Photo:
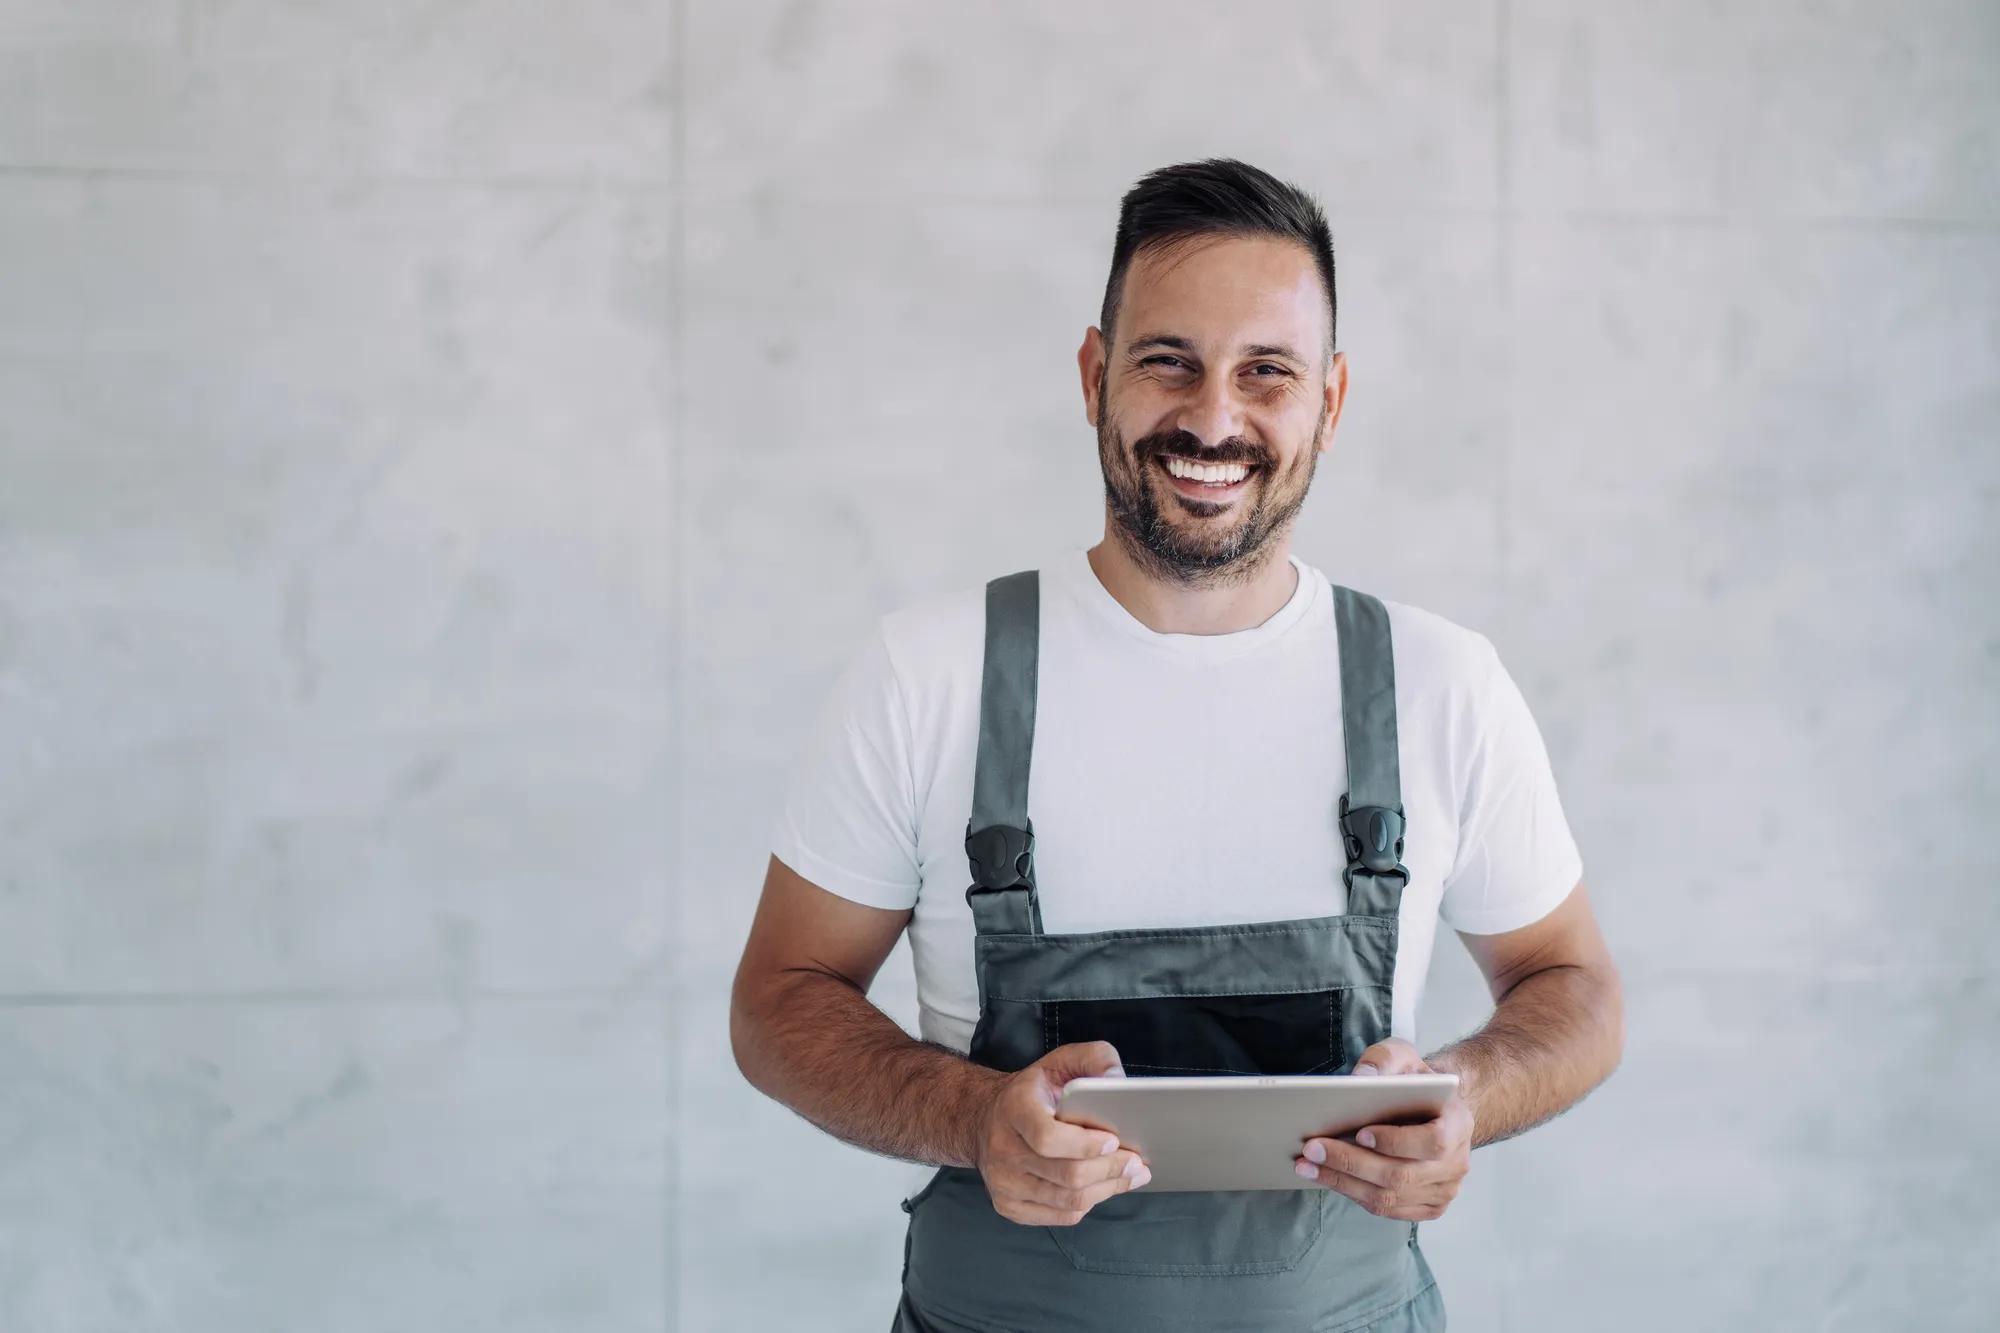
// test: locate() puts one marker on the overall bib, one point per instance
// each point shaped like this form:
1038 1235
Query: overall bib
1277 997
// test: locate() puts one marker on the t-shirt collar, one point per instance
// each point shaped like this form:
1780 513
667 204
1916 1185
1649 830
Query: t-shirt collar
1080 580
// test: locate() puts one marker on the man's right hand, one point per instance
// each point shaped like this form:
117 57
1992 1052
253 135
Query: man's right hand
1042 1171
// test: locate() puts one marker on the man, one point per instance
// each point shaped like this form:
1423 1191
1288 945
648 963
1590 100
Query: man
1253 795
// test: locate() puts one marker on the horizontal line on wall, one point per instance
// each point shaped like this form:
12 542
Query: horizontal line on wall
764 197
229 176
1839 974
323 995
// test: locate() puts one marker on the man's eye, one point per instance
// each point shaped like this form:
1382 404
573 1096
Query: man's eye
1154 360
1268 366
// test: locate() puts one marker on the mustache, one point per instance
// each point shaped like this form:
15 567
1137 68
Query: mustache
1185 444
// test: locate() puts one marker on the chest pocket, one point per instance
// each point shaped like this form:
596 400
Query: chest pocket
1292 1033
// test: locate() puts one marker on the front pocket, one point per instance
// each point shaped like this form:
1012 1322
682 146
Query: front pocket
1181 1234
1296 1033
915 1201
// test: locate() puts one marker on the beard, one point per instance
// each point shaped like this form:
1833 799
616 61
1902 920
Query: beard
1191 541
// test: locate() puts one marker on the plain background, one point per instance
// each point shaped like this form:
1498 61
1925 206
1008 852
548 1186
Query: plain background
447 449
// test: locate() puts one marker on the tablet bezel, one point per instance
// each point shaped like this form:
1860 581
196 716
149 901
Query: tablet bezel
1173 1121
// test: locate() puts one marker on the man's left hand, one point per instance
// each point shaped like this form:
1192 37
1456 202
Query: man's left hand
1408 1172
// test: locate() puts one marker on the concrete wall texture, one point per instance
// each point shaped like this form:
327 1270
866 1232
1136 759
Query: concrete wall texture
446 451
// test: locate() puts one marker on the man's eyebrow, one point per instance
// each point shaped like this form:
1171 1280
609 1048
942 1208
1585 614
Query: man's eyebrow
1151 340
1273 349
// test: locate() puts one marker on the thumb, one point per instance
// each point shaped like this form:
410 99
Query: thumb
1081 1059
1394 1056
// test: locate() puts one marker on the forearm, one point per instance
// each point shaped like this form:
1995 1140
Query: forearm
1552 1038
814 1042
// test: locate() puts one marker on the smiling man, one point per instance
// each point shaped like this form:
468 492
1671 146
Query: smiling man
1175 803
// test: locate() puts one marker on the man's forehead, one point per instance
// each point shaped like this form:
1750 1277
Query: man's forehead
1246 292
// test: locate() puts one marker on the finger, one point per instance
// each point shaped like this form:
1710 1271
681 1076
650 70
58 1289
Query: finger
1018 1187
1047 1136
1449 1134
1080 1172
1430 1139
1403 1206
1036 1214
1393 1056
1061 1177
1388 1172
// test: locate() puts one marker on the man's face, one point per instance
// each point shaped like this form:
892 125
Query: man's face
1217 361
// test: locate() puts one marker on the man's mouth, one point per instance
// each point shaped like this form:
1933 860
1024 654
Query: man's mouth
1205 481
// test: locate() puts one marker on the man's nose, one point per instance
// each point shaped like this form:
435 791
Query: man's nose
1212 415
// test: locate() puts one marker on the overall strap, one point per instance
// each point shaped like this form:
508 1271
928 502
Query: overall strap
999 839
1371 811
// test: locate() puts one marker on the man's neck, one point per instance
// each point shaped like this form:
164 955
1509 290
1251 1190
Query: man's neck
1244 599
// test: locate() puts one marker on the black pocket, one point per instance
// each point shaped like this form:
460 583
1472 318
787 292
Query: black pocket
1208 1034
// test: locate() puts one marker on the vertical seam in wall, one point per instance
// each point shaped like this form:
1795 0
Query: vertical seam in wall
1503 185
1503 189
678 628
1505 263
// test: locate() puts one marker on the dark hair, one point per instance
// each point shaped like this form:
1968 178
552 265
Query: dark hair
1217 196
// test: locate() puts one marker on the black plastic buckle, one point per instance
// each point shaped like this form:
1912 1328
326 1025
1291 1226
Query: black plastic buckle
1374 837
1002 856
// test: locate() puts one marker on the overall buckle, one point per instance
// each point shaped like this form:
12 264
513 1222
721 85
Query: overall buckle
1002 856
1374 837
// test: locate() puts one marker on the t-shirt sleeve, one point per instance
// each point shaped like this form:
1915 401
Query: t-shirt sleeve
1517 859
848 818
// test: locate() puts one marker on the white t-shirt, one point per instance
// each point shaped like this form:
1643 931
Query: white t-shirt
1176 779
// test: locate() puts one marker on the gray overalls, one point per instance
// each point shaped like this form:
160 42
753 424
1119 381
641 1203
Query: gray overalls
1275 997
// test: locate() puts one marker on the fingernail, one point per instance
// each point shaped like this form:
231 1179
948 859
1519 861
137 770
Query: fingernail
1139 1177
1366 1138
1366 1069
1307 1171
1116 1071
1110 1146
1316 1151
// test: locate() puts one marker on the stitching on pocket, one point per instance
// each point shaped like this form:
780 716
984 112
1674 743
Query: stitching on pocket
1166 994
1192 1069
1361 1323
1136 1268
1091 939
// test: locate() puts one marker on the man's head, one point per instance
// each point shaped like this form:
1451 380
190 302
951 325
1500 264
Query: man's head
1216 347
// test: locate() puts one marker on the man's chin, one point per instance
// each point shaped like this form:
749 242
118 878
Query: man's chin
1201 554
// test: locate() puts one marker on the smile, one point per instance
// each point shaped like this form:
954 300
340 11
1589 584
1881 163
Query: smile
1207 481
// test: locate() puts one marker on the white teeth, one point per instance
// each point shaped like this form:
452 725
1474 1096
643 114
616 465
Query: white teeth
1230 473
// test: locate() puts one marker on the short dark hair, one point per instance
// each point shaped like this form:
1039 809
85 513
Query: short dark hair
1217 196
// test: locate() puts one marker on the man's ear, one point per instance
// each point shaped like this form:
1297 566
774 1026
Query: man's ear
1336 398
1090 365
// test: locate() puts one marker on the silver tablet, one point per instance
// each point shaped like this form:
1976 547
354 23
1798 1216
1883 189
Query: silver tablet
1237 1132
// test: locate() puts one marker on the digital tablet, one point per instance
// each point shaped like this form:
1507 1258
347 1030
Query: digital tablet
1242 1132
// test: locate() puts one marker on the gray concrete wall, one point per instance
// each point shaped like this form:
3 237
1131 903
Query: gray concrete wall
446 450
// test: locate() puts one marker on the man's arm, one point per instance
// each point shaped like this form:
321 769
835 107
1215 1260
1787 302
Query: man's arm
1557 1031
805 1033
1558 1024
